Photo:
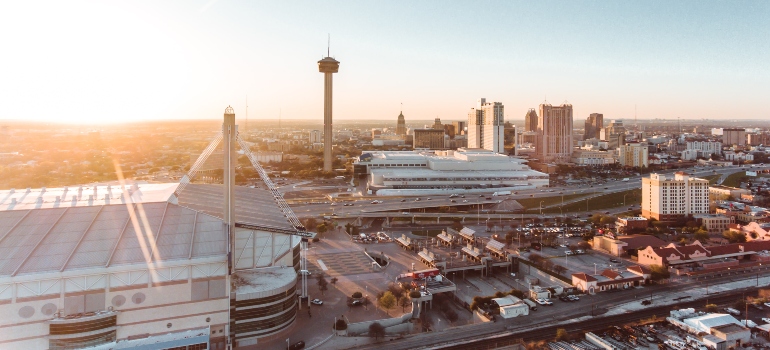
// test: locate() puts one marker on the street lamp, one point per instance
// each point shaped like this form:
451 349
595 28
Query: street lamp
541 207
624 199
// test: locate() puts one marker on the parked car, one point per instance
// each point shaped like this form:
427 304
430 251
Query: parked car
614 260
317 302
573 297
356 303
304 272
765 320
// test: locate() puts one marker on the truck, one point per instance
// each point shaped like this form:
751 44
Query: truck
532 305
501 193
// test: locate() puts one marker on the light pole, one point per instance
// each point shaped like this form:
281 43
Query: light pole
624 199
595 268
287 343
541 207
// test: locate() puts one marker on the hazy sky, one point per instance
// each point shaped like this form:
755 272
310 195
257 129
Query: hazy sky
105 61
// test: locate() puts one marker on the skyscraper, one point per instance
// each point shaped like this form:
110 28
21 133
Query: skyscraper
530 120
328 66
594 123
401 124
460 127
554 133
486 126
437 124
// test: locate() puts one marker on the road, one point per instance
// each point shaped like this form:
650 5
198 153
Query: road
394 206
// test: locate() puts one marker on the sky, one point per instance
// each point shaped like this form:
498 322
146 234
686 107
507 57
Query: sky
119 61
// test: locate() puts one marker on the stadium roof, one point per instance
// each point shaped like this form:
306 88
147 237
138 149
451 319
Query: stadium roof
84 196
253 206
70 238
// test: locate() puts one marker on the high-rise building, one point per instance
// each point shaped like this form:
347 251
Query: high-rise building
401 124
328 66
486 126
735 137
450 130
667 199
315 136
437 124
429 139
460 127
594 123
530 120
554 131
634 154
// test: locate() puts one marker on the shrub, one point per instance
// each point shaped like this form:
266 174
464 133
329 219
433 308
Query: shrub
341 325
357 295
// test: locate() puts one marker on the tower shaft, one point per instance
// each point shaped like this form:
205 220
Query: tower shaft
327 121
229 132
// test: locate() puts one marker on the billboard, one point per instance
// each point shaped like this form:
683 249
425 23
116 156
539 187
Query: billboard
425 273
751 173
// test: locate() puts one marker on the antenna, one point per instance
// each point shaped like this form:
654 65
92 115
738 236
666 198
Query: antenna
280 110
635 123
328 44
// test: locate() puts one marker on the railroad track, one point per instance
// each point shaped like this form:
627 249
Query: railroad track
549 332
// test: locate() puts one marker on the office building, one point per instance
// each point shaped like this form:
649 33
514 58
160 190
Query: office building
328 66
437 124
634 154
554 132
429 139
667 198
401 125
423 172
449 130
530 120
486 126
460 127
315 136
705 148
594 124
734 137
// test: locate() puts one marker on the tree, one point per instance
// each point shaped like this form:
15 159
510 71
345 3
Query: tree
561 334
734 236
323 285
322 228
559 269
357 295
701 235
334 280
584 245
659 272
387 301
396 290
403 302
711 307
311 224
376 330
457 225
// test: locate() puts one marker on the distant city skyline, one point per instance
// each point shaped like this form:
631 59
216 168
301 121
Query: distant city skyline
94 62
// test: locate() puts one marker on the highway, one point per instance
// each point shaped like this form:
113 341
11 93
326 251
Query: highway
394 206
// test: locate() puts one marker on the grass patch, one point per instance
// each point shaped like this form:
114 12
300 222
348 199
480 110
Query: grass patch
534 203
734 179
610 200
712 178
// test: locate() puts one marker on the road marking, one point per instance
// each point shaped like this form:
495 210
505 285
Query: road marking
321 263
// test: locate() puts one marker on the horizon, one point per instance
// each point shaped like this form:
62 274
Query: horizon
189 60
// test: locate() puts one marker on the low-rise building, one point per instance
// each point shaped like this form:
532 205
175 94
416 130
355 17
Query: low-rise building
714 223
609 279
592 157
631 223
511 306
727 191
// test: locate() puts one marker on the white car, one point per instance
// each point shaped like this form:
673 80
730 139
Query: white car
317 301
543 302
765 320
767 304
304 272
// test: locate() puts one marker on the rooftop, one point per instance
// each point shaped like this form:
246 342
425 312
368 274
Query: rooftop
54 240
